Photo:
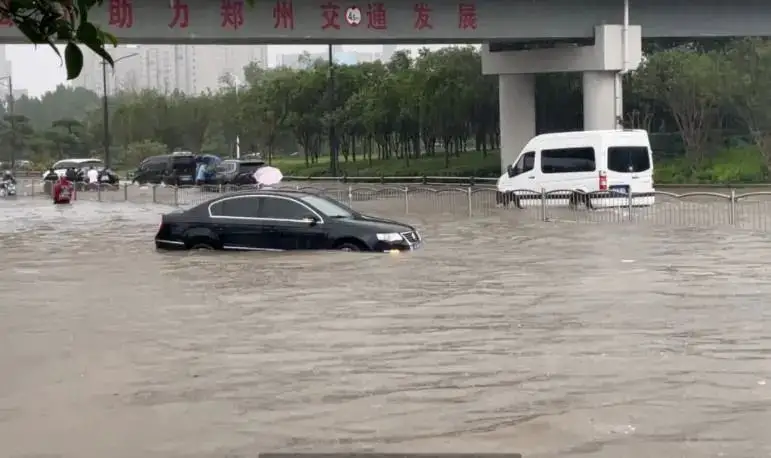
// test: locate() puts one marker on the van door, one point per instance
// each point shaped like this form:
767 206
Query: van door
630 169
564 170
521 177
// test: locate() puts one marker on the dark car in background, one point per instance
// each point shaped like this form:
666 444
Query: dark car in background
237 172
171 169
261 220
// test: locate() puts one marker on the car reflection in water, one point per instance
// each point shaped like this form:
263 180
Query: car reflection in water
273 220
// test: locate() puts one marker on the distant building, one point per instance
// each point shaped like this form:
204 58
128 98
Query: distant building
190 69
298 61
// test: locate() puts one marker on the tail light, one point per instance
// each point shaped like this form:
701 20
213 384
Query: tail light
603 180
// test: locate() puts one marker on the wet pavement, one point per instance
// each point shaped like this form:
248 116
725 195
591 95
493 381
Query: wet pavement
499 336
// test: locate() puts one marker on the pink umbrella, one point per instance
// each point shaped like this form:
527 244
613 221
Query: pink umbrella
268 176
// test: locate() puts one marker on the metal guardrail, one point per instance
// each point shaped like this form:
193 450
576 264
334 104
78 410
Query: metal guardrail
751 210
448 180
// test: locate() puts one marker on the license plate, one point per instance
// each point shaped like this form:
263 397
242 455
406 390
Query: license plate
617 190
186 178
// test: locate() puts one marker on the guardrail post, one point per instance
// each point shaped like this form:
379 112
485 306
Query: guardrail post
219 188
125 192
732 207
176 196
350 195
543 205
32 190
99 192
155 195
406 200
470 203
629 204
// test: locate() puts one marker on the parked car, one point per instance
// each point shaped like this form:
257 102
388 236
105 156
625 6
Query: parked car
78 164
261 220
171 169
237 172
595 169
81 167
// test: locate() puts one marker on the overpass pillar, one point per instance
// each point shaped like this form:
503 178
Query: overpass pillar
600 100
516 97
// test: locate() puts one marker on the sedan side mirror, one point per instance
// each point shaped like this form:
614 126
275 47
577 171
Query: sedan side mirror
310 220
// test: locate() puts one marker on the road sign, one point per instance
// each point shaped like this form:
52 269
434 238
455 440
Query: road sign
353 16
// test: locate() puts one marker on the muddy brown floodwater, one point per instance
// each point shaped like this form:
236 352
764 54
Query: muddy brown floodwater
541 338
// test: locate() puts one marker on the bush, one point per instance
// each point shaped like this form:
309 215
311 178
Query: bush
744 164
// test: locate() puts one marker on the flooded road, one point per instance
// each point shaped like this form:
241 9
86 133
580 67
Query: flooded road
539 338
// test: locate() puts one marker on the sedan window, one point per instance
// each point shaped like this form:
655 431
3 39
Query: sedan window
328 206
238 207
278 208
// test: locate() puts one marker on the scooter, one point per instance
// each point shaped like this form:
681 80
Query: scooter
7 189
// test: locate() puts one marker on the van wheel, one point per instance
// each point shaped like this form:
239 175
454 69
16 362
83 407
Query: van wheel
202 247
579 200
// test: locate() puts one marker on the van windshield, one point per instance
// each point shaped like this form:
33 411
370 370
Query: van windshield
629 159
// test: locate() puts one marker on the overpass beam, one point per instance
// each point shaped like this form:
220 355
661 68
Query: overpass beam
516 97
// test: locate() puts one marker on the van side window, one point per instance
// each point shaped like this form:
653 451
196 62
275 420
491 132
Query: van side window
525 163
568 160
628 159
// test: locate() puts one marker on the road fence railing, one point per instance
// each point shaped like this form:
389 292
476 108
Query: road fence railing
750 210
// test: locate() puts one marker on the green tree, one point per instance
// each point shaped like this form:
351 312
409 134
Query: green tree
689 84
748 85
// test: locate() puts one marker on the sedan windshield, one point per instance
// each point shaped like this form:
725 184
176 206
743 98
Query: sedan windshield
327 206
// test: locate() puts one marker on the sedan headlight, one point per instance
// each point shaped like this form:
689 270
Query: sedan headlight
390 237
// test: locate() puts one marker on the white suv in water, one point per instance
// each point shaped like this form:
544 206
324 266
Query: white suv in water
598 169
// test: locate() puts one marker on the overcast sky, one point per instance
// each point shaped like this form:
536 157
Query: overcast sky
39 70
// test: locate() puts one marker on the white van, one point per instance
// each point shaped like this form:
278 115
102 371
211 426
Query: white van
596 169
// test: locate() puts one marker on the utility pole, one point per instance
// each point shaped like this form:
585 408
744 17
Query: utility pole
331 107
105 117
12 118
12 111
105 108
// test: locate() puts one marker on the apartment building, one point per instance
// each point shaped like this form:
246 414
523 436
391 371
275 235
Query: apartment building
188 68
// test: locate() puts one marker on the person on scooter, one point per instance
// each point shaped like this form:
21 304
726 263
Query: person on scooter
8 176
64 190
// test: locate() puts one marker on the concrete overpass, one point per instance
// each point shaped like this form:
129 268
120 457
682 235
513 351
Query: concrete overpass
600 38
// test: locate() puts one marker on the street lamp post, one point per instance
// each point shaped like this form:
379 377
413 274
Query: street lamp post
238 124
12 113
332 135
105 109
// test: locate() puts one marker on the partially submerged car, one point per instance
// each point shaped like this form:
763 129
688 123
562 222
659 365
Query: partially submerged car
263 220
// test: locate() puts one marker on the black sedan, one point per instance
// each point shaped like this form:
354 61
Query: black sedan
273 220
